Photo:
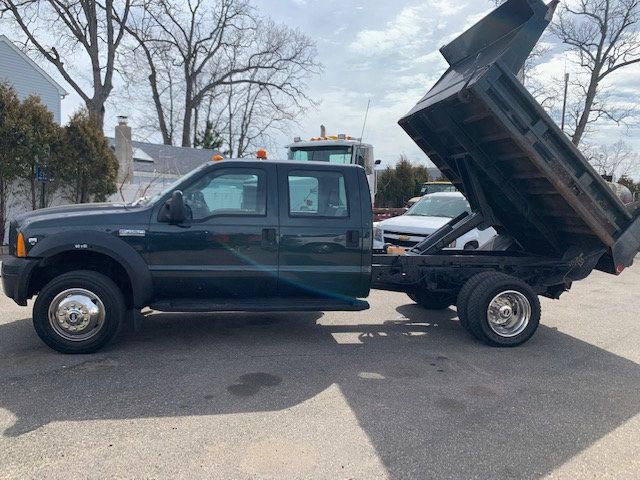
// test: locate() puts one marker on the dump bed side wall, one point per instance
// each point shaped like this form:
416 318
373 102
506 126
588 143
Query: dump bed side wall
532 179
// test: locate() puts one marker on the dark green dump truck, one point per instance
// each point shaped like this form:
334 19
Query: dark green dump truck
262 236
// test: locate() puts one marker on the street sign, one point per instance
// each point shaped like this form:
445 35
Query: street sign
41 174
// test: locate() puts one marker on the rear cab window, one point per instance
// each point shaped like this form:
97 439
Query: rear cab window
318 194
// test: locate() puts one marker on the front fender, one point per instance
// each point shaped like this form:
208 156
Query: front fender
106 244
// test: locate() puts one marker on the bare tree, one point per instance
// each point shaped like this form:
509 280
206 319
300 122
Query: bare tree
64 29
616 160
250 114
604 35
212 47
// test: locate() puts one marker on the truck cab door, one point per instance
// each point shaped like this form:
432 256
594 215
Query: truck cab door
321 232
227 246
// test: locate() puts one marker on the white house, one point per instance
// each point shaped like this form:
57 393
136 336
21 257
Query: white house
27 78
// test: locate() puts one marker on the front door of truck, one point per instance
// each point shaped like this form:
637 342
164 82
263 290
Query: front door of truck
227 247
321 234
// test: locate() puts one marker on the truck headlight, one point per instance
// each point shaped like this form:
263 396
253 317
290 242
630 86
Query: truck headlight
378 234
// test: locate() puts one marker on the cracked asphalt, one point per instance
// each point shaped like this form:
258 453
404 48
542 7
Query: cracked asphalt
393 392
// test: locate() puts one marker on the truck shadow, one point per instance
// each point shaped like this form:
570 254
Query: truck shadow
429 398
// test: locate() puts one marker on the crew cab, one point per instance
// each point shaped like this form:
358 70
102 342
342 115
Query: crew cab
231 235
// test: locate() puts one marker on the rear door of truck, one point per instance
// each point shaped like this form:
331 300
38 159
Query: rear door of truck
323 239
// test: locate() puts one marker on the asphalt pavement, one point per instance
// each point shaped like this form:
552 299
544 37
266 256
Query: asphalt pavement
394 392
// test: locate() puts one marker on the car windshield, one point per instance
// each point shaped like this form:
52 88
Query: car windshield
439 206
154 198
428 188
340 155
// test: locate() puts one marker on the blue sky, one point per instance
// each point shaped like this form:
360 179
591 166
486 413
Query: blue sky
386 52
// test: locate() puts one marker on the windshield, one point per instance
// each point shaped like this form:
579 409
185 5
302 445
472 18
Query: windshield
439 206
166 190
428 188
340 155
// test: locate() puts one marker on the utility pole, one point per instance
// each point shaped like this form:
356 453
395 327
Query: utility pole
564 101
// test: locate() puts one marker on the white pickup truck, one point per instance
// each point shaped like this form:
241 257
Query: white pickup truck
425 217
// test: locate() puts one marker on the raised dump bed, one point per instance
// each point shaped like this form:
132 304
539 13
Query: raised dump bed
491 138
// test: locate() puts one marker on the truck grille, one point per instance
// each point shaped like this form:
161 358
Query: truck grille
402 239
400 243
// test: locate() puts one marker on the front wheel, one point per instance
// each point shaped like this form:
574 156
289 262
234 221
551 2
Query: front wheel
78 312
503 311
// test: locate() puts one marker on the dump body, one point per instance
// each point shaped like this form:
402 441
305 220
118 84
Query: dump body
491 138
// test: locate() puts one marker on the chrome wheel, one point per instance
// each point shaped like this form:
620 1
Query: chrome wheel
509 313
76 314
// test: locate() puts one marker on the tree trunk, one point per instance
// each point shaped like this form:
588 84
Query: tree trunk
586 112
195 126
186 127
157 101
95 107
34 188
186 120
3 208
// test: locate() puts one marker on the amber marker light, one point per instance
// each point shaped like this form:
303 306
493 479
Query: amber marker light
21 246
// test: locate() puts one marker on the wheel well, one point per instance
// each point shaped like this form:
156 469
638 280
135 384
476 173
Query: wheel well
473 243
75 260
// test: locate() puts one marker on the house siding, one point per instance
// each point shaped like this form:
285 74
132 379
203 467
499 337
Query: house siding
28 81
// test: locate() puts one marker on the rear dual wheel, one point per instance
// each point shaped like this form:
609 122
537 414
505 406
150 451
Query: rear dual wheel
498 309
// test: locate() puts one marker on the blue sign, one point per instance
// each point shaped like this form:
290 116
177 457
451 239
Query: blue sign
41 174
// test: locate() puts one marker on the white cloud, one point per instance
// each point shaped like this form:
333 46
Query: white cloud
448 7
410 27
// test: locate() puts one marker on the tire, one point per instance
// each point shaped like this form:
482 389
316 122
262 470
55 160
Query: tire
471 246
513 305
431 301
462 302
79 312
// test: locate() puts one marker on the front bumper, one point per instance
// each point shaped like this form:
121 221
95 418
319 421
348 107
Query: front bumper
16 273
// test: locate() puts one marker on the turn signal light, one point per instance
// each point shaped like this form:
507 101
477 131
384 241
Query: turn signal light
21 247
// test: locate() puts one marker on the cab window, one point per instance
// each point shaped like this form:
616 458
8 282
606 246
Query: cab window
317 194
337 155
231 191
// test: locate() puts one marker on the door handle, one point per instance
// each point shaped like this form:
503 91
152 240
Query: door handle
353 239
269 236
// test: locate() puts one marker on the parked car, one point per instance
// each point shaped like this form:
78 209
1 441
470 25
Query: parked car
425 217
429 188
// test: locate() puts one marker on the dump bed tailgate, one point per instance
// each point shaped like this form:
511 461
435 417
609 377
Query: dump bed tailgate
491 138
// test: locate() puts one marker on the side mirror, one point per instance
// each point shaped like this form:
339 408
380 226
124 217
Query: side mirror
378 162
176 209
173 211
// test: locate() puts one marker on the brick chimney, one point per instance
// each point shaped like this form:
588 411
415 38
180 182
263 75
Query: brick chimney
124 150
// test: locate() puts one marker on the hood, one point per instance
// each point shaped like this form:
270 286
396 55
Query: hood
413 224
70 212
